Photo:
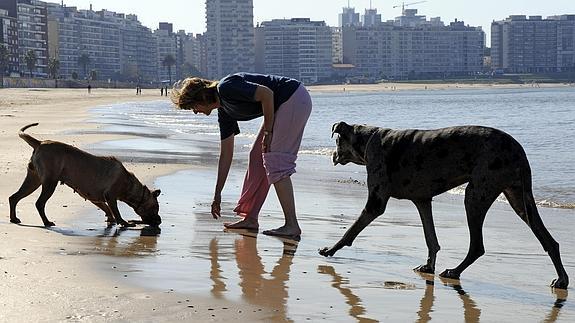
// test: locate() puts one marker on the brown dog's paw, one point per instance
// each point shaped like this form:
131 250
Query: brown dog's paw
15 220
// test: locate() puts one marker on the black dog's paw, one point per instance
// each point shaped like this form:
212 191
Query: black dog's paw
559 283
424 269
327 252
449 273
49 224
15 220
127 224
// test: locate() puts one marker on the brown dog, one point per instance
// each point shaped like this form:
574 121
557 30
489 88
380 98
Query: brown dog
420 164
101 180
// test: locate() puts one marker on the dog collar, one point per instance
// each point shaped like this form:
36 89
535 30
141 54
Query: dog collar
367 145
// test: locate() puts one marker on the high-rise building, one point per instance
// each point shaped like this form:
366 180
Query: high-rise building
336 46
426 50
168 57
521 44
9 40
32 34
297 47
230 37
349 17
371 18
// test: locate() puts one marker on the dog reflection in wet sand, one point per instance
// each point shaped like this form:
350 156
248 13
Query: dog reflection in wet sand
420 164
101 180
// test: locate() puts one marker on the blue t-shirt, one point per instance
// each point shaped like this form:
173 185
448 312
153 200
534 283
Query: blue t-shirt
236 93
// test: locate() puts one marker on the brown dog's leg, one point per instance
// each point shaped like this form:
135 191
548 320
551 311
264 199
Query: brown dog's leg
30 184
524 205
375 207
48 188
104 207
113 204
424 208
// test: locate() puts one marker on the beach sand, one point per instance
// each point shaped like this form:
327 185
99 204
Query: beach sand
81 271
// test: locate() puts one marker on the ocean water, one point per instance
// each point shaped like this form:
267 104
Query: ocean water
541 119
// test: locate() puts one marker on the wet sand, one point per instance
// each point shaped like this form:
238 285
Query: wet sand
193 269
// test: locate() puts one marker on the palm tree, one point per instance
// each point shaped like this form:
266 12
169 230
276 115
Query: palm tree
30 59
84 61
53 67
168 62
4 59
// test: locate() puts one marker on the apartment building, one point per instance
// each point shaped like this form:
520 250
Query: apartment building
138 51
425 50
336 45
521 44
88 41
24 28
230 37
349 17
297 47
370 18
168 49
9 40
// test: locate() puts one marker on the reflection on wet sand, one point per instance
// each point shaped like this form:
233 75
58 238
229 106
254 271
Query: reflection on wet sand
120 242
561 298
471 312
356 308
269 292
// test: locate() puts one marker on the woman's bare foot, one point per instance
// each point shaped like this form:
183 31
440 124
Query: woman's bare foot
245 223
285 232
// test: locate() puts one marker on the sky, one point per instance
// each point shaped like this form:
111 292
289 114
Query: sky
189 15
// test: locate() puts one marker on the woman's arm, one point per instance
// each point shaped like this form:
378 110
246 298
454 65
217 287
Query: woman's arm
265 96
224 164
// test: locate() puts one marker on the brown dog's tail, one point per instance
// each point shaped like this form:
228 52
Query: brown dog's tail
27 138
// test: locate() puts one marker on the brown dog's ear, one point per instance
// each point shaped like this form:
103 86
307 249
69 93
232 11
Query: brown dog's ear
156 193
339 127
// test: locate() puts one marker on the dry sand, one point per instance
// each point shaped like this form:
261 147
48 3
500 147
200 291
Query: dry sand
39 279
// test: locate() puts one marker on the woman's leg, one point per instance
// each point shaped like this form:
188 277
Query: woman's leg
289 125
254 191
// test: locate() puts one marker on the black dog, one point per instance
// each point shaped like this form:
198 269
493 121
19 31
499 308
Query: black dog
420 164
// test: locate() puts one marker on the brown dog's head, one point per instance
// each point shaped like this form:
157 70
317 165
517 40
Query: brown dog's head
148 208
350 144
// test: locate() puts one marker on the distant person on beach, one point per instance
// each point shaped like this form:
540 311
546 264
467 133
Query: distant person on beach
285 105
89 88
162 91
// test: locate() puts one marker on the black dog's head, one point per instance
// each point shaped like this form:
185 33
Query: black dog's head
149 208
350 143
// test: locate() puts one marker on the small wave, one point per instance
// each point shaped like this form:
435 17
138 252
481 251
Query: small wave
319 151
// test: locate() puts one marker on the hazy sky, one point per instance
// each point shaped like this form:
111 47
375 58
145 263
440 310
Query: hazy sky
190 14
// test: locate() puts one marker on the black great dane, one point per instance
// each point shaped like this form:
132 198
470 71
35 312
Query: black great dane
420 164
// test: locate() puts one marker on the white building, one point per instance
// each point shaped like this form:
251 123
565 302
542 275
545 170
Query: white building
297 48
230 37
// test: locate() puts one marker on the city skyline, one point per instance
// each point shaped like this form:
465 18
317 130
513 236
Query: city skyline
192 20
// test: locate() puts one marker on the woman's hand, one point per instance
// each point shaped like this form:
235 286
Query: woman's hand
216 208
266 142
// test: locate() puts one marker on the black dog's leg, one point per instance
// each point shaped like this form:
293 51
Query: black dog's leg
375 207
30 184
104 207
477 202
48 188
113 204
524 205
424 208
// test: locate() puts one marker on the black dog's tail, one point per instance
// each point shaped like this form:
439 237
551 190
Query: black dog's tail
27 138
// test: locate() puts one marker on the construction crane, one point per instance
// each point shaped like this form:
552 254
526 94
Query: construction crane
403 5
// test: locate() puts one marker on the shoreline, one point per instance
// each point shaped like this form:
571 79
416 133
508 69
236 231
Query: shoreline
44 273
398 86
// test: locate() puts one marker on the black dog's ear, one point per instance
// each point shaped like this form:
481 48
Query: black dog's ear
340 128
156 193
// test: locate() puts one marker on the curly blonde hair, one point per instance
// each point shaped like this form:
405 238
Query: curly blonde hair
192 91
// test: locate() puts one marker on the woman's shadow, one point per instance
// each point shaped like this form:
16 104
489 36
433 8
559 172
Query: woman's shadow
268 289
